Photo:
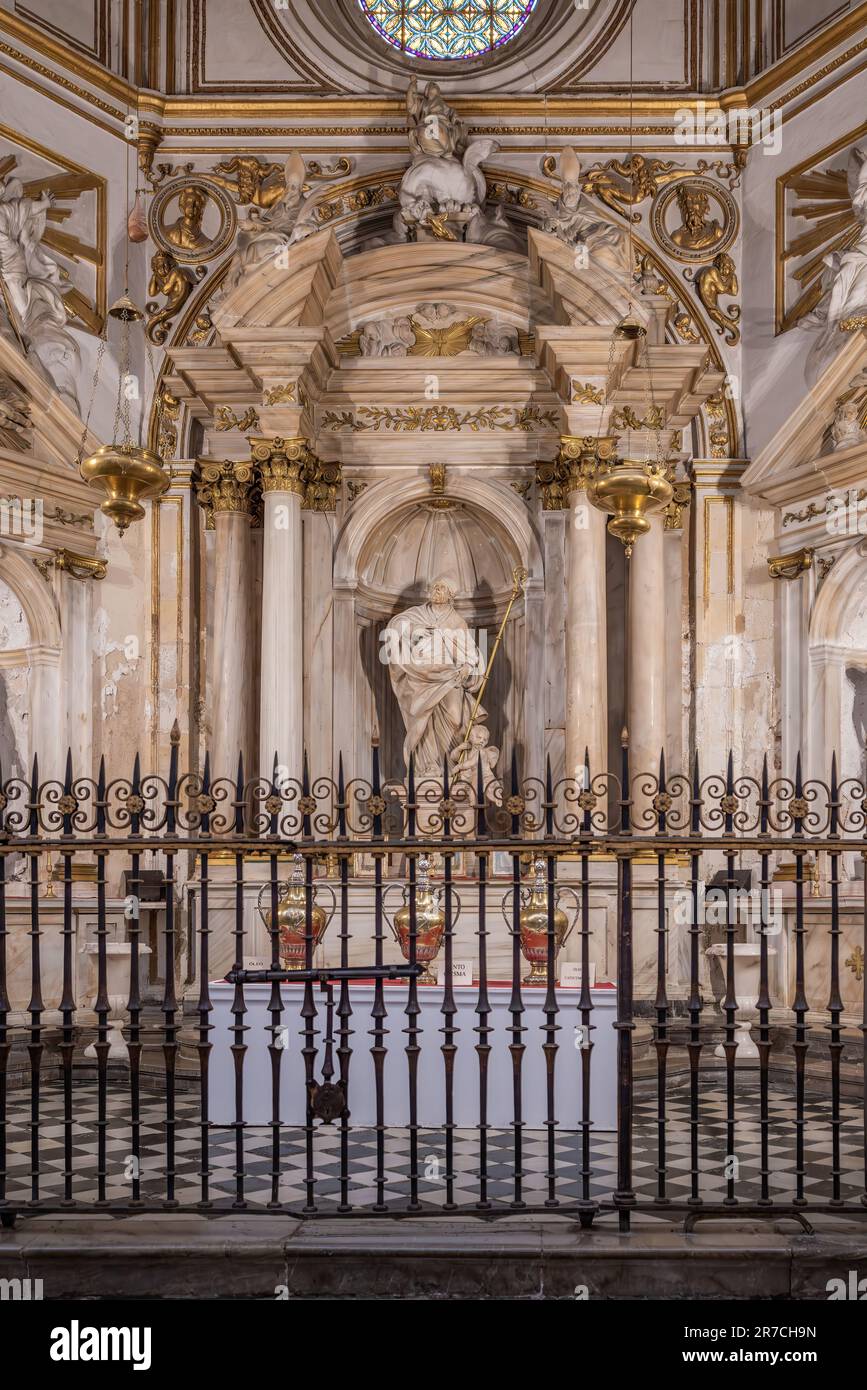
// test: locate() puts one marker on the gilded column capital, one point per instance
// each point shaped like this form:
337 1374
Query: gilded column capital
226 486
290 465
282 464
576 462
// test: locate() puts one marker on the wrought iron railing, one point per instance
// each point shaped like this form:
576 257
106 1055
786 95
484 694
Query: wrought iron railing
480 1095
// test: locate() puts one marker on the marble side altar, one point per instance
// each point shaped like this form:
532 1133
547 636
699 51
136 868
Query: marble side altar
431 1092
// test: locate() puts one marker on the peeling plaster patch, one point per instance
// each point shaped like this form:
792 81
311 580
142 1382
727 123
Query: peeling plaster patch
14 627
112 674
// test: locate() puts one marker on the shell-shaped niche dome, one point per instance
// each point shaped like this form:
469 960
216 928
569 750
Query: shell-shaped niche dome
416 544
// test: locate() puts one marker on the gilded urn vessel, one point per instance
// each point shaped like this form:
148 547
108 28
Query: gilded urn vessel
430 921
292 917
533 924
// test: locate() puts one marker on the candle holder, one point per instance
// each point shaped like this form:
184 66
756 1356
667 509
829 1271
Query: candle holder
533 919
292 915
430 919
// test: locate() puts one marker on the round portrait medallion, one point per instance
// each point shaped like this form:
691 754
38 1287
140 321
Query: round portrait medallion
694 219
192 219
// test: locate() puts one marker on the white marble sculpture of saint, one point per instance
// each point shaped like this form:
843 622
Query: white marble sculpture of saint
31 277
574 219
32 290
262 236
844 303
436 671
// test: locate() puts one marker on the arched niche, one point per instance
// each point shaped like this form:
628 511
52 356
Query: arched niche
393 543
30 642
838 669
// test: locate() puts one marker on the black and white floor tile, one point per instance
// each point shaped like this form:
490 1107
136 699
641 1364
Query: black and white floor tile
432 1167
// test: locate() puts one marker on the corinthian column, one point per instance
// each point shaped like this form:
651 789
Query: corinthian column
586 635
285 466
226 492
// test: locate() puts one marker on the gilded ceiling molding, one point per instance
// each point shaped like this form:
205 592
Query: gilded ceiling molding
58 55
561 50
113 96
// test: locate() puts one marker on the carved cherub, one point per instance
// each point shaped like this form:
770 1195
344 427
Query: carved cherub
465 759
254 182
720 278
176 283
846 430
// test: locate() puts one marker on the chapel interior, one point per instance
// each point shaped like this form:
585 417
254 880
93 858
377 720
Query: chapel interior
411 412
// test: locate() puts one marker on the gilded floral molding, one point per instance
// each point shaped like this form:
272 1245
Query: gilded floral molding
420 419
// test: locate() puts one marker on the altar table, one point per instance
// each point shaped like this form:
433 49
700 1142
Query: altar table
431 1067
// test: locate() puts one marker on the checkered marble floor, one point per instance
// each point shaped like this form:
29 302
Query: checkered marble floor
432 1167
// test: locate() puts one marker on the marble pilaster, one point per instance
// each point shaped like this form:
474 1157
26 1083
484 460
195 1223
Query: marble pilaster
586 623
647 650
77 670
227 490
281 715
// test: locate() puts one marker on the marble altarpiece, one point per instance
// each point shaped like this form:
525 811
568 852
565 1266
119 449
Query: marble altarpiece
378 368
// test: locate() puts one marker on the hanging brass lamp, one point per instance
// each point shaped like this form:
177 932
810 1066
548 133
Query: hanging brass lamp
630 493
124 472
127 475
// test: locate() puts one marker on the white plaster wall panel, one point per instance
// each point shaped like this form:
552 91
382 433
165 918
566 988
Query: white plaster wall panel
83 23
803 17
336 41
660 50
238 53
15 754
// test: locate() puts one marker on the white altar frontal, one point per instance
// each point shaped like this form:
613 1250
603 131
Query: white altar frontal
570 1038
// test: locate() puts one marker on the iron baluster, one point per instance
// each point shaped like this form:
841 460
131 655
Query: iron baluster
134 1046
344 1006
483 1004
587 1207
696 1002
764 1002
799 1003
413 1008
449 1008
102 1001
835 1001
239 1007
35 1007
204 1006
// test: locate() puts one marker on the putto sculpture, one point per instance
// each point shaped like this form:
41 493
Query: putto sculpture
442 194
